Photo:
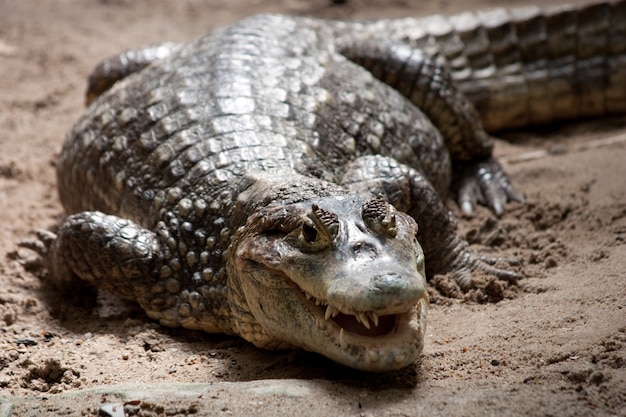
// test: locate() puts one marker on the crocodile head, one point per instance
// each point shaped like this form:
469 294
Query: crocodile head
342 276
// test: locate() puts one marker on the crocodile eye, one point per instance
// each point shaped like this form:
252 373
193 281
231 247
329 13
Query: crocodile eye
309 233
308 239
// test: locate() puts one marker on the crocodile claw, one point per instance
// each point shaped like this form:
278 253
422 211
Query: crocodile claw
40 245
487 183
471 261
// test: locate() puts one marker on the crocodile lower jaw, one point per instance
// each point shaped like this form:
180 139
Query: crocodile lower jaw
367 341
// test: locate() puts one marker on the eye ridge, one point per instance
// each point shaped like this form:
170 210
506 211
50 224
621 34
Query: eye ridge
380 216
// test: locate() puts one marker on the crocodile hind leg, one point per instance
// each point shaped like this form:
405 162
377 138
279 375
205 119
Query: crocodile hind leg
113 69
408 190
427 83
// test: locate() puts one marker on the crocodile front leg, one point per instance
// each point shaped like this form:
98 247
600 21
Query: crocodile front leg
426 81
106 251
118 255
408 190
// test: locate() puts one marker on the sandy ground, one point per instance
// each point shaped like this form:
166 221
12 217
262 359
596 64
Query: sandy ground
552 344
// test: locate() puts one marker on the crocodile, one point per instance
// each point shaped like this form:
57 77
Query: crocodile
267 180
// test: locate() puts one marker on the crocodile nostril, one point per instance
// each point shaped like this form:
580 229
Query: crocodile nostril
363 248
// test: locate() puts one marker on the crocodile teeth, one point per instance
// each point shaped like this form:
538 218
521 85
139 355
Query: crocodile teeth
362 317
342 339
330 312
321 323
372 356
374 318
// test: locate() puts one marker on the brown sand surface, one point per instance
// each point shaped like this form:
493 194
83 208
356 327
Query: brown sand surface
551 344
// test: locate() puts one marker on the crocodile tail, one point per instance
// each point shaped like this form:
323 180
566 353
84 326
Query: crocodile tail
522 66
529 66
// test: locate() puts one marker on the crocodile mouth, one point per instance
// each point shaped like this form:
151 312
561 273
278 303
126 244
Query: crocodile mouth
374 341
365 324
380 340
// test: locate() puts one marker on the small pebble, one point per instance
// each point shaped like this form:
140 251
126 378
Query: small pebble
27 341
111 410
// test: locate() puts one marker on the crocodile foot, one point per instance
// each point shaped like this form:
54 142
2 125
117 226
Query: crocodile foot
38 245
470 261
484 182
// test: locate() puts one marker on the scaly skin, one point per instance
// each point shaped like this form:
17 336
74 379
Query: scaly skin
257 182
